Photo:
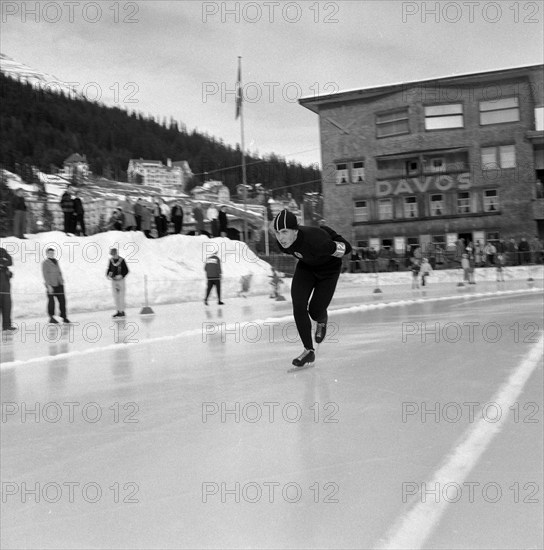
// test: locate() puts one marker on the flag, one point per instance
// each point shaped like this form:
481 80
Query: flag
239 90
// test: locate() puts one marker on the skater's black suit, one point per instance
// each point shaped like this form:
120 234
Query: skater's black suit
317 271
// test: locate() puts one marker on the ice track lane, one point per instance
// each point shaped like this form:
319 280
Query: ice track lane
386 443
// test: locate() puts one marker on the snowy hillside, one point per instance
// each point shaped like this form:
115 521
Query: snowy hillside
38 79
174 267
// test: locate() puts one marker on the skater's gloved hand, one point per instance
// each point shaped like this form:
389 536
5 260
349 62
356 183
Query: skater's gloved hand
49 289
340 250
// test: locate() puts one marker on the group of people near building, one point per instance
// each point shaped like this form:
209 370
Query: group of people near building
512 253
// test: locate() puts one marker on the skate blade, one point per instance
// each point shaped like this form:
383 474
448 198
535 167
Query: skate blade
304 367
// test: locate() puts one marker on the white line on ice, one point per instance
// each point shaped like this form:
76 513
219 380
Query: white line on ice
234 326
412 529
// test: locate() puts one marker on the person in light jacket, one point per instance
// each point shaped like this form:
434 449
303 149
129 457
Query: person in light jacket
54 284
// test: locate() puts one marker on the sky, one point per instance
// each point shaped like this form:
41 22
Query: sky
180 58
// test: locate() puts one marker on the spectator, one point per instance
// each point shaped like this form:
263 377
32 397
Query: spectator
54 284
67 207
414 268
426 270
79 215
536 250
465 264
212 215
5 290
373 257
213 274
500 265
490 251
165 214
354 265
19 218
157 217
116 221
177 217
199 219
472 266
116 273
223 222
138 214
146 216
126 206
512 249
524 251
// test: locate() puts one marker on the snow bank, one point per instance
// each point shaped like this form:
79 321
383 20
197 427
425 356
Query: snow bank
174 267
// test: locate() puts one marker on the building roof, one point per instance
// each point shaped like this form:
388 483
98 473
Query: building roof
75 157
313 103
142 161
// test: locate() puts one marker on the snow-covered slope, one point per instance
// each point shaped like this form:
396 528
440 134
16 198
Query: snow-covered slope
44 81
174 267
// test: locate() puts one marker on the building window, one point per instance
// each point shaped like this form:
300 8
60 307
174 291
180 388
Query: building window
437 205
362 244
441 117
392 123
410 207
358 172
503 156
360 211
499 111
385 209
492 237
341 173
463 202
491 200
412 167
437 165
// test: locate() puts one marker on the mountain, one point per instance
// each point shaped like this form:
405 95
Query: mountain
38 79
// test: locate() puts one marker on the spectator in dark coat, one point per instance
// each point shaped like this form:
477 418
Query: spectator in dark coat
19 218
79 215
177 217
213 273
5 289
117 220
512 248
524 251
67 207
223 222
146 220
198 215
138 214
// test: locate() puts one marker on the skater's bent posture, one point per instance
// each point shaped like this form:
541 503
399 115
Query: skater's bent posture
319 251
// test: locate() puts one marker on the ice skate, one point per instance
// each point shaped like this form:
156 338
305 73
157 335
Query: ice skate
320 332
305 360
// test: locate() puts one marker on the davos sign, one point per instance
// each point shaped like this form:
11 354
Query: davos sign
439 182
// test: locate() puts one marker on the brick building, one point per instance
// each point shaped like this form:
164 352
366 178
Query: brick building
435 160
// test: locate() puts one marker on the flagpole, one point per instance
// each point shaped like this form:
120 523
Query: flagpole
241 111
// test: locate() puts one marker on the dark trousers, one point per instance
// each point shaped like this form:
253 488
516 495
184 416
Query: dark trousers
79 219
178 225
5 308
211 284
321 288
19 223
58 293
68 221
138 223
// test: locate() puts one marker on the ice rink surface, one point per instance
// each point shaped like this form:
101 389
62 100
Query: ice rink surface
420 426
